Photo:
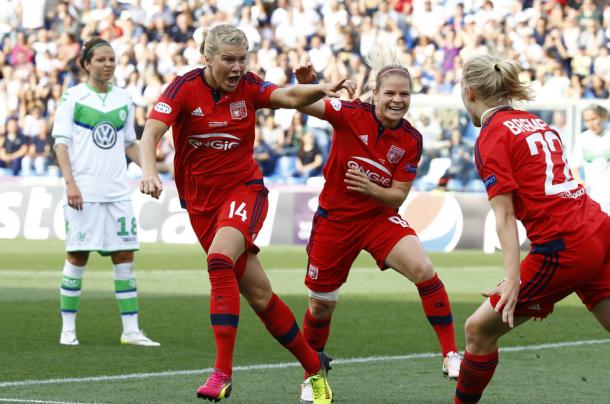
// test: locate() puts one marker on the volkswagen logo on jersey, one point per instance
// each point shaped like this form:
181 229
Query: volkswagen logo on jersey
371 169
104 135
218 141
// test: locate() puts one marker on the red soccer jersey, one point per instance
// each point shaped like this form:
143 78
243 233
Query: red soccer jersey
518 152
362 143
213 136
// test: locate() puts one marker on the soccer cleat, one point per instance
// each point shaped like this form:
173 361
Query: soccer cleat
217 387
306 392
137 338
451 365
68 337
321 392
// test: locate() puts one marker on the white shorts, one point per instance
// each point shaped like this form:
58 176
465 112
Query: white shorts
106 227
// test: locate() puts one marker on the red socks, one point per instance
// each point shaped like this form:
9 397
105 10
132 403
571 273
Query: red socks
281 323
316 331
438 310
475 373
224 309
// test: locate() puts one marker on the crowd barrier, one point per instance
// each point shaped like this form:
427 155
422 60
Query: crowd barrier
32 208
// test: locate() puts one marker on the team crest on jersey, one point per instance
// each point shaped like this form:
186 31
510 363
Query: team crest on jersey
122 115
395 154
104 135
365 139
313 272
238 110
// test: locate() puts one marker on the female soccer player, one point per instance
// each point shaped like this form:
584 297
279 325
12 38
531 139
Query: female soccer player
592 152
521 160
212 114
93 132
369 172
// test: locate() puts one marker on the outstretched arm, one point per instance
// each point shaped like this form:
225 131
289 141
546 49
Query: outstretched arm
303 95
506 227
150 183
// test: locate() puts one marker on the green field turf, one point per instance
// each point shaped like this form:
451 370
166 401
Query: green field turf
382 343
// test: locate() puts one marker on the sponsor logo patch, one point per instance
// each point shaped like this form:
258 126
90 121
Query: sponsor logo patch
335 103
217 141
238 110
163 108
197 112
313 272
264 86
217 124
395 154
104 135
490 181
410 168
371 169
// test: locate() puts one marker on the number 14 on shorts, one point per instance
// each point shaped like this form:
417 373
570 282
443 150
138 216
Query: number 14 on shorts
240 211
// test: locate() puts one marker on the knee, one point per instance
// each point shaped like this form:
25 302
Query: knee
477 340
257 296
78 259
422 270
321 309
122 257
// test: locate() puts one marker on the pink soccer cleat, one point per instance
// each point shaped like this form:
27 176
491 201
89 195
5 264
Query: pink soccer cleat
217 387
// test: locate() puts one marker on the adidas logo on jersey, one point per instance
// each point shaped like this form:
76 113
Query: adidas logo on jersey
365 139
197 112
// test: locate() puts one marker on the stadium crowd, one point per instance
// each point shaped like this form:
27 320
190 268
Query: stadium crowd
563 46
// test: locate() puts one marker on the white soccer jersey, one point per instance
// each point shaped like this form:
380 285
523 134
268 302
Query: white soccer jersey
592 152
96 128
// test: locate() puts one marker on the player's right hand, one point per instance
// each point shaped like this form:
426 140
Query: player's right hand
74 197
151 185
509 294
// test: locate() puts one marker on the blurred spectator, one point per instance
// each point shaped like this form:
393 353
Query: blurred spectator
263 154
165 156
562 44
309 157
462 169
38 152
13 147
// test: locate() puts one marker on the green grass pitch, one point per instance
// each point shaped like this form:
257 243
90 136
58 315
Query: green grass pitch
385 350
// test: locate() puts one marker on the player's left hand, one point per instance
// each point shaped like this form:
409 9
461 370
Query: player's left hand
305 74
509 292
332 89
359 182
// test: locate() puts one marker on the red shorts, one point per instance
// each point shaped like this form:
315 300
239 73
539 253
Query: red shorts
554 270
333 246
244 209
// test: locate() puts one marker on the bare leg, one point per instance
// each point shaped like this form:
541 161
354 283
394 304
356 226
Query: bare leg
601 311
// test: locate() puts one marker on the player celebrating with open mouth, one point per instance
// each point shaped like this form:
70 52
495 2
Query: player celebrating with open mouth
212 114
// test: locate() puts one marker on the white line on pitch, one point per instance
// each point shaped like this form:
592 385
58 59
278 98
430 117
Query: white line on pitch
289 364
28 273
19 400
